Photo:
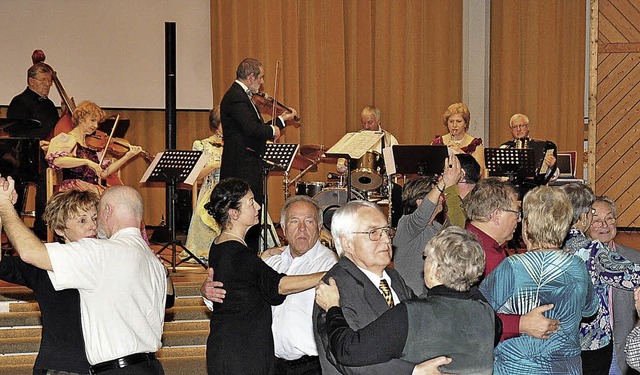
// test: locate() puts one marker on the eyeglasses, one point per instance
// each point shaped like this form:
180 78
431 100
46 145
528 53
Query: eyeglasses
375 234
44 80
603 223
520 126
517 213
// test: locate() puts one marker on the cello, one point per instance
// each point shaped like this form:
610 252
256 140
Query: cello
64 123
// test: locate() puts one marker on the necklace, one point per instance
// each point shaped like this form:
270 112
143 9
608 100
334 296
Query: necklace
233 235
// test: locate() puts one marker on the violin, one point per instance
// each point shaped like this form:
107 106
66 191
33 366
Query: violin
266 103
118 146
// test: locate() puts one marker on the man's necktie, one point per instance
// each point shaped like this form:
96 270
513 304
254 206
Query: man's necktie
386 292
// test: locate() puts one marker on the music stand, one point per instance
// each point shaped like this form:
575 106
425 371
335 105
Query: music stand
277 157
173 167
424 160
515 163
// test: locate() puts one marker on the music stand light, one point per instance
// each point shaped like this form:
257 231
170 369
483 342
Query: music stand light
172 167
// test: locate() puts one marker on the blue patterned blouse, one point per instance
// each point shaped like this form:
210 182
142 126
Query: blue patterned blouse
607 269
525 281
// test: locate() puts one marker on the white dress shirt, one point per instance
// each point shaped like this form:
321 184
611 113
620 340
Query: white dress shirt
375 279
292 320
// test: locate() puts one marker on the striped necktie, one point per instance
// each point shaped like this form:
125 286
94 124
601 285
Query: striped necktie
386 292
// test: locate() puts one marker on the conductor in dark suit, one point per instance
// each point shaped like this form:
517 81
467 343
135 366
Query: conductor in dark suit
604 228
246 133
367 286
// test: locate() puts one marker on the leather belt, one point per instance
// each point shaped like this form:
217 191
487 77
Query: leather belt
300 361
123 362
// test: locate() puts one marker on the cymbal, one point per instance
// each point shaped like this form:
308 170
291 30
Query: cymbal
312 151
302 163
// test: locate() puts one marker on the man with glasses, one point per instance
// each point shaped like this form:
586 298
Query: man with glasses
367 286
494 212
603 228
544 161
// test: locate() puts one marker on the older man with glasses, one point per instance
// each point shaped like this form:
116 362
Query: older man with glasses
545 153
367 286
603 228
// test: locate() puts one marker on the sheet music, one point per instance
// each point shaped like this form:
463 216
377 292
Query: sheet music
544 167
356 144
389 160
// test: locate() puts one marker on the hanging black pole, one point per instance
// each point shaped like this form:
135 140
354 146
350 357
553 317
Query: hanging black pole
170 115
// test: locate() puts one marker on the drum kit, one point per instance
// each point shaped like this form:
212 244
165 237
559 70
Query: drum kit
368 181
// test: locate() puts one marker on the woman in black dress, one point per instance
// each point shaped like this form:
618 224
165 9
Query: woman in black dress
240 338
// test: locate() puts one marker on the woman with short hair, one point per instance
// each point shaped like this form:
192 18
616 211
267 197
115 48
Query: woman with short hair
452 320
543 275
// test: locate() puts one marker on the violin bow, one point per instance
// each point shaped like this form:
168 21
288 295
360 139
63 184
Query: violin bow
106 146
274 118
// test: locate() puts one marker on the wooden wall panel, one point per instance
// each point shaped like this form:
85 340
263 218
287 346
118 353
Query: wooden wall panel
615 114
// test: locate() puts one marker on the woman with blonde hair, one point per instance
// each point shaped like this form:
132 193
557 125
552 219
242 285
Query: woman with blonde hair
79 163
545 274
456 120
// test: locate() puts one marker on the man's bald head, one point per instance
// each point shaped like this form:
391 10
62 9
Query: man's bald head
120 207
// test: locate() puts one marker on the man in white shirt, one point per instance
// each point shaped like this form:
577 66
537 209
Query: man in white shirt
295 346
122 284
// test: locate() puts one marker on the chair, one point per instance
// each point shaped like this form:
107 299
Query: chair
54 179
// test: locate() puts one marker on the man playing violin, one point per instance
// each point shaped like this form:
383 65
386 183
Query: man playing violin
246 133
80 164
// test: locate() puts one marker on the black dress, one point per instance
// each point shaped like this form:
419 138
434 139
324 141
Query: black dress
240 338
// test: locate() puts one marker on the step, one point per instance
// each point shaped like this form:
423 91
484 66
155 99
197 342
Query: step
33 306
186 313
36 331
183 365
17 345
32 318
19 319
9 332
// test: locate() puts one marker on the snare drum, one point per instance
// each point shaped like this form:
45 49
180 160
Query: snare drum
330 199
310 188
366 176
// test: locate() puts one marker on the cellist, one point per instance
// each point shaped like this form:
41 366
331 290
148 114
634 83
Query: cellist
80 164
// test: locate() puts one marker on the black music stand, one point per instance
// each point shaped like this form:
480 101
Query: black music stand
277 157
423 160
173 167
515 163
